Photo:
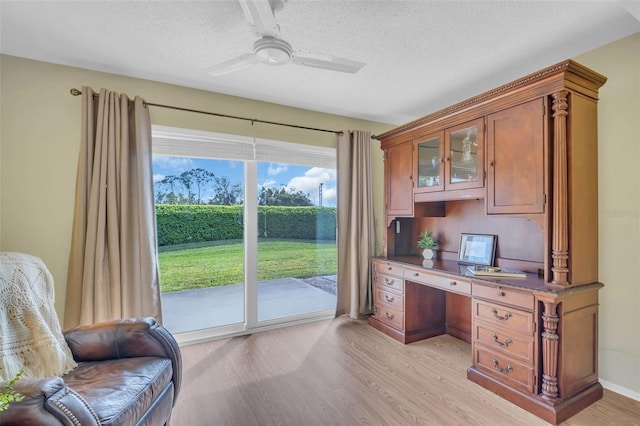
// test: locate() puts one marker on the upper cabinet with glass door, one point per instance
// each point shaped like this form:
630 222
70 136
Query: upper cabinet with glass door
430 173
451 159
464 162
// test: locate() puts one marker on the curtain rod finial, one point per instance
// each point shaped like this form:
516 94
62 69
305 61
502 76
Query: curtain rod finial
75 92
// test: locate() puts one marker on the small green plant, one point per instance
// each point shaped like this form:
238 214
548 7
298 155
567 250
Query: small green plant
426 241
8 394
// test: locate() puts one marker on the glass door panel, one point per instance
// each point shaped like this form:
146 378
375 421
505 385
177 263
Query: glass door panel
429 175
297 251
466 148
199 215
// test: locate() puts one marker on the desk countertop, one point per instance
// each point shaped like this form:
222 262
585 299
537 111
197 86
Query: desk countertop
533 282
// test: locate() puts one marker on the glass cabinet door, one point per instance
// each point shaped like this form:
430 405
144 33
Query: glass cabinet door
429 174
466 155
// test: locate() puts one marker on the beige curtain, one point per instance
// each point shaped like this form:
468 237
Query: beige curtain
356 231
113 270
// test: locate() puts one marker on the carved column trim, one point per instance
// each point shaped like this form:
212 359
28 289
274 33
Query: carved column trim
560 235
550 343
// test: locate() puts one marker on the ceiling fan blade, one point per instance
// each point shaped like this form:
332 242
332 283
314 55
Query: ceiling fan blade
327 62
235 64
261 17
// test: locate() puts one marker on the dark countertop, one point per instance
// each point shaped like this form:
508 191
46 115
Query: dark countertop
532 282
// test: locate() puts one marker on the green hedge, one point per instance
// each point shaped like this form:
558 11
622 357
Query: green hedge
180 224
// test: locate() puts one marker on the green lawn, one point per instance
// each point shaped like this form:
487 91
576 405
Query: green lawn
189 266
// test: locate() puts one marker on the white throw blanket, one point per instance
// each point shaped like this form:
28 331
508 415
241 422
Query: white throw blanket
30 336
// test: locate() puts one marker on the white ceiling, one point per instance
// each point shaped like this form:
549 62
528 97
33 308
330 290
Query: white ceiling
420 55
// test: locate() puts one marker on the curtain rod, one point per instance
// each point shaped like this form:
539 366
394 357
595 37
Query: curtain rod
76 92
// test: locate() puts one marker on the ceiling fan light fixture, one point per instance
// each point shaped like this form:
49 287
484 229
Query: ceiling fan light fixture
272 51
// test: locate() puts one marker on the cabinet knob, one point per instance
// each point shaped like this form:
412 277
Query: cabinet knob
453 283
490 163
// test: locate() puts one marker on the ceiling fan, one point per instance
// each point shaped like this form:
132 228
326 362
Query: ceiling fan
270 49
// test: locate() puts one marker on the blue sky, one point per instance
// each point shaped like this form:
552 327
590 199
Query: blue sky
301 178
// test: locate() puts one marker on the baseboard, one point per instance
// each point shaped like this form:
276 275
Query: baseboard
620 390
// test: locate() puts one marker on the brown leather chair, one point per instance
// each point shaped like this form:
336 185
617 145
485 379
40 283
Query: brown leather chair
129 373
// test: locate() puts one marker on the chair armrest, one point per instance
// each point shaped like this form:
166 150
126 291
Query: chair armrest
47 402
126 338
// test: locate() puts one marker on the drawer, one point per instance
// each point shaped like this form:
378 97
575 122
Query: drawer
503 316
390 316
503 341
388 268
505 369
506 295
389 298
454 284
389 282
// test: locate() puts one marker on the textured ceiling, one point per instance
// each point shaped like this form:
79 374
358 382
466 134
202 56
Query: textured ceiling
420 55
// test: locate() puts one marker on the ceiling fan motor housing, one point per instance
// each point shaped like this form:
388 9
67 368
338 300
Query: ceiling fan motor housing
272 50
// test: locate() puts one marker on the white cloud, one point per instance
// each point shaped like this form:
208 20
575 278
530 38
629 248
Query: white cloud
268 183
158 177
179 164
310 184
276 169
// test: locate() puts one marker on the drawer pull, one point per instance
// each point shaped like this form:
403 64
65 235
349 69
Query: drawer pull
390 317
506 342
389 299
507 369
387 281
416 274
506 316
500 292
453 283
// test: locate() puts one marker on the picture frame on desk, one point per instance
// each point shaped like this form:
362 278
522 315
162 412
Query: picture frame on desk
477 249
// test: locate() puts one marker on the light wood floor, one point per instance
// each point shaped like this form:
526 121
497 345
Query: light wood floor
343 372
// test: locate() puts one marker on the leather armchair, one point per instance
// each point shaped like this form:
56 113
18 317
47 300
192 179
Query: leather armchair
129 373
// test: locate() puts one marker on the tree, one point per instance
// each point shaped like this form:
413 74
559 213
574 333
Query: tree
226 193
200 178
284 196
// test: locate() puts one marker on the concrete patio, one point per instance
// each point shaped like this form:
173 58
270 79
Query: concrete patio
190 310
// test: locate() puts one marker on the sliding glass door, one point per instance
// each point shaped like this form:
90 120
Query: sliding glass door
246 232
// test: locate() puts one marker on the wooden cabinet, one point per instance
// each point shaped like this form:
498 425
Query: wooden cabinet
449 163
399 180
429 163
464 156
504 326
520 162
515 159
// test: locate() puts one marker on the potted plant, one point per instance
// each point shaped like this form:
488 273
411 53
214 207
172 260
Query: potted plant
427 243
8 394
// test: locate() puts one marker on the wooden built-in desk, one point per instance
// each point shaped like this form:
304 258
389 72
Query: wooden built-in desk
519 162
529 342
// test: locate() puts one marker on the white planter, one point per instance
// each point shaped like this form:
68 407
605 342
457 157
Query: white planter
428 253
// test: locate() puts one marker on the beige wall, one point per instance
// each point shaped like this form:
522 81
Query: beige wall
40 136
619 207
39 147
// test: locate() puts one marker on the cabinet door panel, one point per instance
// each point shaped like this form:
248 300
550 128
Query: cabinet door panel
515 157
464 156
429 173
399 183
